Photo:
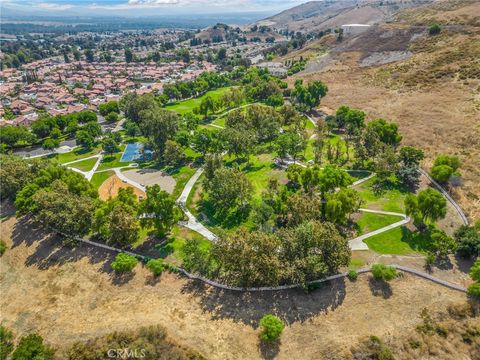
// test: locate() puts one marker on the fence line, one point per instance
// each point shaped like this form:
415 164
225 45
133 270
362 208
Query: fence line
282 287
447 195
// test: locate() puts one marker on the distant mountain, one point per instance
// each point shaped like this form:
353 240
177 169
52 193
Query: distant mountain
330 14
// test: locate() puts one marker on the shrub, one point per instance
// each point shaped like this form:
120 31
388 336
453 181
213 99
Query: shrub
124 262
441 173
155 266
414 344
475 271
434 29
272 328
111 117
384 272
474 291
373 348
6 342
32 347
352 275
3 247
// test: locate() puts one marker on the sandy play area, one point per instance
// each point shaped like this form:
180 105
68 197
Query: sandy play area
150 177
111 186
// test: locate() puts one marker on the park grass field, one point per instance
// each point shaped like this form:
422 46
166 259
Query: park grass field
398 241
99 178
332 140
172 249
181 176
186 106
85 165
386 200
368 222
76 154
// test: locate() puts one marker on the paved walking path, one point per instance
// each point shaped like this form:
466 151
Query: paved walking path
284 287
88 174
358 244
192 223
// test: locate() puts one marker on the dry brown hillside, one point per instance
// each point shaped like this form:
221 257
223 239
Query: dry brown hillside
430 85
314 16
70 294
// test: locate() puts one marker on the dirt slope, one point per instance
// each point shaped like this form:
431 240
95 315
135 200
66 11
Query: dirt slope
69 295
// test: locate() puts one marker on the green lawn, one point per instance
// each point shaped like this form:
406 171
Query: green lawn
387 200
181 176
75 154
260 170
99 177
220 122
332 140
186 106
172 250
191 154
368 222
85 165
399 241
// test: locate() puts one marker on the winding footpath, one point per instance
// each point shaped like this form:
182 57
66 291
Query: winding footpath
192 223
218 285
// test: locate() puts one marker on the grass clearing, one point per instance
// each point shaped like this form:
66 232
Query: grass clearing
387 200
260 170
398 241
99 178
181 176
368 222
75 154
186 106
85 165
172 250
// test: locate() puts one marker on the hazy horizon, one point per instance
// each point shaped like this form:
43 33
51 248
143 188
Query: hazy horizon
140 8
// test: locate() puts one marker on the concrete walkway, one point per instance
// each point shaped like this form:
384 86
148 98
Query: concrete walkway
358 244
192 223
88 174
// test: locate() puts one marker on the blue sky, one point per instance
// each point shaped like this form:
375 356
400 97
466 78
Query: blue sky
146 7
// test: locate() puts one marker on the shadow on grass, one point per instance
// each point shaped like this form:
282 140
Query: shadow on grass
291 306
227 221
380 288
418 241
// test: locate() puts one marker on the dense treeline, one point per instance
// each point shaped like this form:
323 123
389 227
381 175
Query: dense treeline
64 201
48 130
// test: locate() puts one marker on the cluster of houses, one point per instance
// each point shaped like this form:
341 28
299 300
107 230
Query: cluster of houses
57 88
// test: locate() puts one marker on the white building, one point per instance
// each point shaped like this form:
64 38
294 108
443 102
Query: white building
354 28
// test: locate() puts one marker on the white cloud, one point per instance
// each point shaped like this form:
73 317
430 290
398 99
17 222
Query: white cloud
152 2
53 6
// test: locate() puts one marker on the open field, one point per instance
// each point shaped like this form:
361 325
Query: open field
85 165
76 154
368 222
99 177
186 106
65 284
386 200
110 187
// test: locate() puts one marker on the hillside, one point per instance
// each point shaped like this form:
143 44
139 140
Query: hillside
321 15
427 84
66 283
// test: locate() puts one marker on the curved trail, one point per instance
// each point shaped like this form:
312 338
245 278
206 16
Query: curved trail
215 284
